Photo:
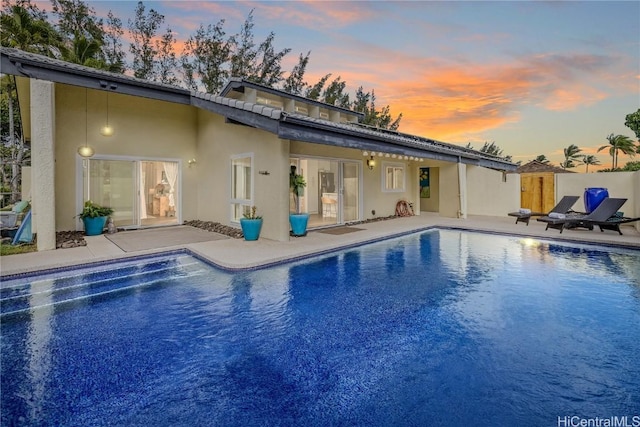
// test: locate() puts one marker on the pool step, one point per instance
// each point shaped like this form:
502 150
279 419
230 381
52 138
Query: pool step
23 296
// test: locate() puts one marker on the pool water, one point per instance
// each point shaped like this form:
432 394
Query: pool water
441 328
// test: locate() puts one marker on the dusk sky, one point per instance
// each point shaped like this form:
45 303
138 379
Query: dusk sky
534 77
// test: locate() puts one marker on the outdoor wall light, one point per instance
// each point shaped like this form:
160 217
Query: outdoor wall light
191 162
371 163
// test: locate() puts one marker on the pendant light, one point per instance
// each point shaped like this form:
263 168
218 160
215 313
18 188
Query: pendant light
106 129
86 150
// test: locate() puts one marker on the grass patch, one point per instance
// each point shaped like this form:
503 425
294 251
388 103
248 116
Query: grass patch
9 249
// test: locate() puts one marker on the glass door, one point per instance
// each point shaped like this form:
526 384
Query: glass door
350 192
159 193
332 195
141 193
112 183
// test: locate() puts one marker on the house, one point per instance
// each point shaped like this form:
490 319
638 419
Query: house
173 155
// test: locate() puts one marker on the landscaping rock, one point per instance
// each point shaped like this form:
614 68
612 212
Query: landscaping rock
70 239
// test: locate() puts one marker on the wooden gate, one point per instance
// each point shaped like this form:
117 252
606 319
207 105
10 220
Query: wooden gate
537 191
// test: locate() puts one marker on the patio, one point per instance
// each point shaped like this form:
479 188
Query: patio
237 253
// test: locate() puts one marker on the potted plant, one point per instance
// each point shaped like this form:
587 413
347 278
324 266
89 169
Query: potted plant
251 224
298 220
94 217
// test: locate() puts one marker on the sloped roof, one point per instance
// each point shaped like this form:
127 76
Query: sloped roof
535 166
285 125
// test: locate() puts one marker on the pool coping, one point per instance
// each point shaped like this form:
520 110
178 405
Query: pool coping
202 256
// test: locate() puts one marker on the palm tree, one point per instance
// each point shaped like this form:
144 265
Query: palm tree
619 143
589 159
571 153
24 30
542 159
86 52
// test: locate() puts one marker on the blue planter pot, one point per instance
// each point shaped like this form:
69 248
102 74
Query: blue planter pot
251 228
593 197
298 224
94 226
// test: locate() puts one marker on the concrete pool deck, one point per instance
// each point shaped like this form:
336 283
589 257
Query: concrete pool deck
238 254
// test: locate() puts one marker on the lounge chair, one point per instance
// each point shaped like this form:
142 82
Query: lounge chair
612 223
24 234
9 219
563 207
601 214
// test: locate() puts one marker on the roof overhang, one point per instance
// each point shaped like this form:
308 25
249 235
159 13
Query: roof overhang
20 63
285 126
295 128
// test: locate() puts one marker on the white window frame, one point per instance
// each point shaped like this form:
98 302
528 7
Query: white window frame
397 185
243 202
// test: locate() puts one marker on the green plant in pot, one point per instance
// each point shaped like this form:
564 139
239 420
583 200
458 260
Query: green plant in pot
297 220
251 224
94 217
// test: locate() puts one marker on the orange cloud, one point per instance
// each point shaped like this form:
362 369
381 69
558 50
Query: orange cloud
449 100
568 98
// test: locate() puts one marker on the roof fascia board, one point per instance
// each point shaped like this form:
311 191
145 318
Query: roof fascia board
245 117
295 131
298 133
25 68
442 150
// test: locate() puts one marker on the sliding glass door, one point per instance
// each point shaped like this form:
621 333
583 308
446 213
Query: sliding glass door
142 193
332 194
350 186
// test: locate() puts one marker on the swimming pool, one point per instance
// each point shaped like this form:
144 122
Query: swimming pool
444 328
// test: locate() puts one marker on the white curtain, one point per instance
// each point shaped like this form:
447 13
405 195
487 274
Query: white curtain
143 194
171 171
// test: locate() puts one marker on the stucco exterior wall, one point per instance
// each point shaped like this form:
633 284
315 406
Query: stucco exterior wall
489 194
619 184
143 128
448 198
217 143
374 199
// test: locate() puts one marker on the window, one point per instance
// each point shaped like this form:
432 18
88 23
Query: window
270 102
241 186
393 177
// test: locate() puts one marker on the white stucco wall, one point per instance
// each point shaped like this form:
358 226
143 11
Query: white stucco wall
143 128
619 184
491 192
217 143
449 195
374 199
